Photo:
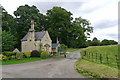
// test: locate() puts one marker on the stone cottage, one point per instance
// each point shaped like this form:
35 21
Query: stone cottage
32 40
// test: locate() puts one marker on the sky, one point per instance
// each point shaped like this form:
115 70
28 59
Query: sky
102 14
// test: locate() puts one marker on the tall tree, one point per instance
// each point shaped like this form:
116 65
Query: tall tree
8 41
79 32
24 15
59 20
8 22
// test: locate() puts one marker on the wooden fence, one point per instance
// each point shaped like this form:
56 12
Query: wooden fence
100 58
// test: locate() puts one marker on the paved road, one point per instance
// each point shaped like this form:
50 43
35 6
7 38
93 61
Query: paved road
50 68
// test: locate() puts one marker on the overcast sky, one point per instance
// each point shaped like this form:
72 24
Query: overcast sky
102 14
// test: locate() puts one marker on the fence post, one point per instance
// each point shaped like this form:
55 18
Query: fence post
89 55
116 61
101 58
96 57
107 59
92 56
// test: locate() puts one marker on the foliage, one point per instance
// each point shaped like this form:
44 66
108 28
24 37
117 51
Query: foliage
35 53
19 55
79 32
13 57
95 42
24 60
108 42
8 53
54 21
24 15
63 47
54 53
3 57
45 54
8 41
57 23
40 47
27 54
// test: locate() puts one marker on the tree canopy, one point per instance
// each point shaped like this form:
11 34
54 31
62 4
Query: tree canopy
57 21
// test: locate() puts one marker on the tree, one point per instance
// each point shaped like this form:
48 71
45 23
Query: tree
8 22
58 21
24 15
108 42
63 47
79 32
8 41
95 42
89 42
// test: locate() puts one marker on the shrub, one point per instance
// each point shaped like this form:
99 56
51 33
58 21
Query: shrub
19 55
45 54
3 57
8 53
13 57
35 53
27 54
54 53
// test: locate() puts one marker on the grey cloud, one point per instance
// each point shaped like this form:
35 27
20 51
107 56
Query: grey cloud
105 24
70 6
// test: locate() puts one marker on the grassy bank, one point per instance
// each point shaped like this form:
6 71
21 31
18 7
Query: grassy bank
99 62
72 49
93 70
107 55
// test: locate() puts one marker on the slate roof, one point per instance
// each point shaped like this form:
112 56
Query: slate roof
54 45
38 36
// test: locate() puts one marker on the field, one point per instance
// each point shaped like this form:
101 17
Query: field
107 55
72 49
99 62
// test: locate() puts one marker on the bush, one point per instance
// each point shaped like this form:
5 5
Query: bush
27 54
13 57
3 57
35 53
54 53
19 55
8 54
45 54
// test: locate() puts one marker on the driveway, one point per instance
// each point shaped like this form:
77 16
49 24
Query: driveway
49 68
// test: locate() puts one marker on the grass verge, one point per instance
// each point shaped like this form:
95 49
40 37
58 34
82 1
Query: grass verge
93 70
72 49
24 60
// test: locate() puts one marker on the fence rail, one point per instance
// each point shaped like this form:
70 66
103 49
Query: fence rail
101 58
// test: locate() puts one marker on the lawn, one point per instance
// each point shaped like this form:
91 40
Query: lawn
24 60
107 55
93 70
72 49
99 61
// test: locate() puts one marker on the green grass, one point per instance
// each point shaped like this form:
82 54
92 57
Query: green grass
91 66
72 49
24 60
105 51
93 70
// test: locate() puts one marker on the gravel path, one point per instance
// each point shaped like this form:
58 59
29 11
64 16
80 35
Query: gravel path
49 68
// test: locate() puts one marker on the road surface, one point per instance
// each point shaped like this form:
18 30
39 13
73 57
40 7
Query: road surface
49 68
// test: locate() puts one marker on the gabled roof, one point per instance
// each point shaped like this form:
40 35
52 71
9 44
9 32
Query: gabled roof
38 36
54 45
